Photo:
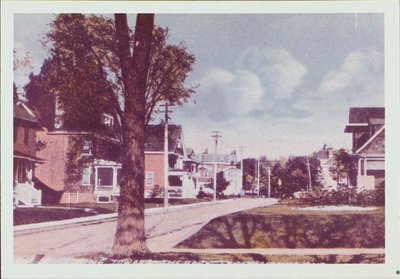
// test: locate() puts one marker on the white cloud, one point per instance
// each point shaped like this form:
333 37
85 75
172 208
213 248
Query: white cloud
264 78
279 71
359 70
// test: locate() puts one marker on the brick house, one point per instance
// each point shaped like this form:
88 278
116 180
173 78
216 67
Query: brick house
367 126
182 168
82 167
79 167
221 162
25 129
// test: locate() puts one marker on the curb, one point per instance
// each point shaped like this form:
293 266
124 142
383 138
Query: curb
52 225
284 251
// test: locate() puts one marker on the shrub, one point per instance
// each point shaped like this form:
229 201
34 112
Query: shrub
202 195
380 194
156 192
345 196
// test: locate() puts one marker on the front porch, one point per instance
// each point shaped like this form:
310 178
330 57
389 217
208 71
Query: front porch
182 184
371 171
107 175
25 193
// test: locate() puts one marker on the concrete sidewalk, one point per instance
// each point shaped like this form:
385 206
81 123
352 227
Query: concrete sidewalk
109 217
163 232
285 251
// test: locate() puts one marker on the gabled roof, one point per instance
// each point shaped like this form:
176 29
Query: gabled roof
155 138
371 139
362 117
218 158
364 114
21 111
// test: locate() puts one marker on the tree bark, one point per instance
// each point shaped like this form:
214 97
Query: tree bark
130 235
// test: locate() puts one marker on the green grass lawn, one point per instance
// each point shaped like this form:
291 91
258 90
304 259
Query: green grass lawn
280 226
24 216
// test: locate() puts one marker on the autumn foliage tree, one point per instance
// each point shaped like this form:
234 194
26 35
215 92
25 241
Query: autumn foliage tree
84 74
97 65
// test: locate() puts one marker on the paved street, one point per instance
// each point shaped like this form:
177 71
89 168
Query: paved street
163 231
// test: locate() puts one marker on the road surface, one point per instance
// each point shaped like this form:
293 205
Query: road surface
163 232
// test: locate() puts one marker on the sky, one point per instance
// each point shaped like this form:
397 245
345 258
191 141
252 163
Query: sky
276 84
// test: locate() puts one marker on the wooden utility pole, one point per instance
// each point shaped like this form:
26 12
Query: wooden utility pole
215 135
166 152
241 167
309 175
269 182
258 177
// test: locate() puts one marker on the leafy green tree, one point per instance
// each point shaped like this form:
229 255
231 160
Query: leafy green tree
222 183
249 174
343 166
39 92
296 174
84 74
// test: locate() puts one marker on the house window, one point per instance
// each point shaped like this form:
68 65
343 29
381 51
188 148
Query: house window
86 176
193 168
149 178
105 177
108 120
87 148
119 173
26 135
205 173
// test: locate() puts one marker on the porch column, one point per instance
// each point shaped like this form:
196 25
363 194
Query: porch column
96 178
115 182
359 167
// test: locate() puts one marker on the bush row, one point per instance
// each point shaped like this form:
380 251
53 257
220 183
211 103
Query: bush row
346 196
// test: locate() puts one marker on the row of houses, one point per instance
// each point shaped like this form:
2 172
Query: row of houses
62 166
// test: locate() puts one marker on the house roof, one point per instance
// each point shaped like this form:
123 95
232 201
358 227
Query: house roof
22 155
361 117
370 140
21 111
364 114
218 158
155 138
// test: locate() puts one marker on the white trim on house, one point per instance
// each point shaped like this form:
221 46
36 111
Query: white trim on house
152 178
370 140
356 124
90 175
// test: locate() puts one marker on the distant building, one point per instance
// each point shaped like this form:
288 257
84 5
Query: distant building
225 163
25 128
182 168
325 156
367 126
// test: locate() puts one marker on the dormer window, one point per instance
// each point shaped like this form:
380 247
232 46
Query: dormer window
87 148
107 120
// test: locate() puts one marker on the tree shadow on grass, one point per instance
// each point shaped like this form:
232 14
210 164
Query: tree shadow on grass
290 231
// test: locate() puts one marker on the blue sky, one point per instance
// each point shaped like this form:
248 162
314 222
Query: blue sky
277 84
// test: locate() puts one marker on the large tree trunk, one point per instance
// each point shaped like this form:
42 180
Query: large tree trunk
130 236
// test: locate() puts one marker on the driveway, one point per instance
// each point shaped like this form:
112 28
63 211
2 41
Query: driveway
163 232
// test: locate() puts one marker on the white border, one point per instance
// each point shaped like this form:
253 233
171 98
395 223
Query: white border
387 270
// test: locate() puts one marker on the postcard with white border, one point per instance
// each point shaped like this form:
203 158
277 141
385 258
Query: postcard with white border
200 139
